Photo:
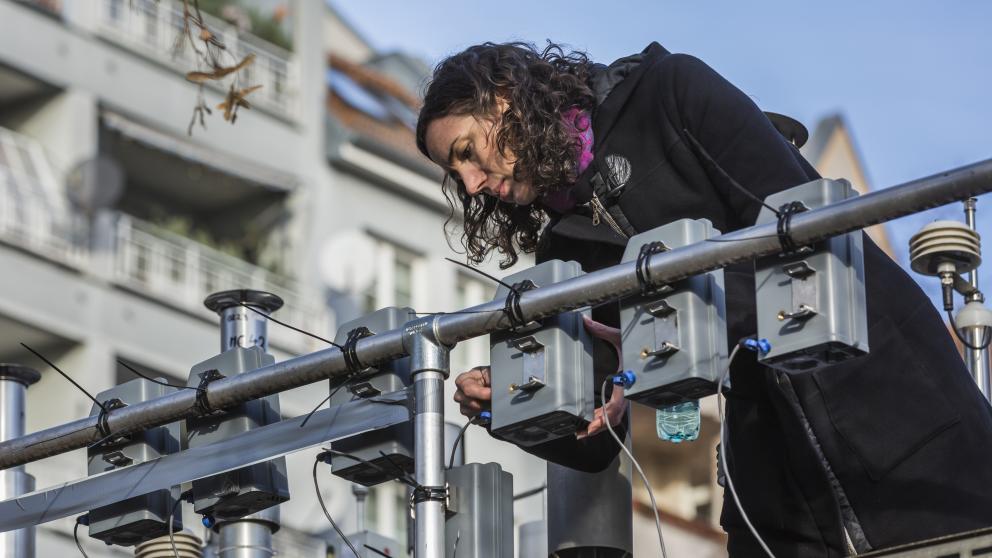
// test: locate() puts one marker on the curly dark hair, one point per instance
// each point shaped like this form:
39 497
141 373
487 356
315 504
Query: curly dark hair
537 86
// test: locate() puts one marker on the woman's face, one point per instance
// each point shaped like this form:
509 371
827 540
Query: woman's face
464 146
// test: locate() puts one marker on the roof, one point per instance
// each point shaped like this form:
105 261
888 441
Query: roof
379 111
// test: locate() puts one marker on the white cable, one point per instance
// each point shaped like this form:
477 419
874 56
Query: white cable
724 448
644 478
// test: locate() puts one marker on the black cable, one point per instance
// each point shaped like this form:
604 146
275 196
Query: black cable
480 272
321 404
702 151
512 307
327 514
75 537
152 380
350 351
377 551
403 478
454 447
642 266
531 492
284 324
66 376
986 337
784 226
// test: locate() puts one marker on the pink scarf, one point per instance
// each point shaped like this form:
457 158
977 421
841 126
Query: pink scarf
579 124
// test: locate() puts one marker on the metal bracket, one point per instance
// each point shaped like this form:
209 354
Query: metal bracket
666 330
364 390
532 384
527 344
803 291
117 458
532 353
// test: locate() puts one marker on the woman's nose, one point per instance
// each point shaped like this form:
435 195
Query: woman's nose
474 179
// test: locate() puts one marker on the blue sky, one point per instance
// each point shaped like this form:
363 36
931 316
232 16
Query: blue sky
912 78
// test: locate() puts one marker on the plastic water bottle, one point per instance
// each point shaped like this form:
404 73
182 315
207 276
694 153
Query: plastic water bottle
678 423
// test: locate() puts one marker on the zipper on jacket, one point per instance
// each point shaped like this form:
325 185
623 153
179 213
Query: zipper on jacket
600 211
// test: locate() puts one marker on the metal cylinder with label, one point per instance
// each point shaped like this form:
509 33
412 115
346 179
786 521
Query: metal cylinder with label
243 325
14 382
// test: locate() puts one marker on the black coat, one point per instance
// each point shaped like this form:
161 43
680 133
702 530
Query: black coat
903 435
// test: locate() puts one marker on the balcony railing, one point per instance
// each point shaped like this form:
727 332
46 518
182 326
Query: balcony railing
183 272
33 212
152 27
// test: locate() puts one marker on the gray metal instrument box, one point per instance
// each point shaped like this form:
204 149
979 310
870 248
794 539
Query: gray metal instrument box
141 518
480 512
542 373
244 491
395 441
675 338
811 304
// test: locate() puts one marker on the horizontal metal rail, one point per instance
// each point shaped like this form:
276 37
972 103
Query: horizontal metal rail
261 444
603 285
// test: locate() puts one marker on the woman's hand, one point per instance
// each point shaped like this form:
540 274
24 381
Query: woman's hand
615 409
474 393
617 405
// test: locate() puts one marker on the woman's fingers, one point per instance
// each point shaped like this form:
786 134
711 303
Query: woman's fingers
614 410
473 392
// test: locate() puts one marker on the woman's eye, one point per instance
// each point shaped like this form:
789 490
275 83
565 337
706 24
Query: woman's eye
466 153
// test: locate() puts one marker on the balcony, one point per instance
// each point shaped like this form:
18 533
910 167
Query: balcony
33 213
182 272
130 253
151 28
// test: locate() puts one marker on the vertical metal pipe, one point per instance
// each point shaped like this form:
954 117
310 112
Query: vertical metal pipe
241 326
977 359
360 493
430 367
14 382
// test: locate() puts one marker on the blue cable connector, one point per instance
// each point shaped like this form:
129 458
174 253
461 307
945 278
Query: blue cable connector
760 346
625 379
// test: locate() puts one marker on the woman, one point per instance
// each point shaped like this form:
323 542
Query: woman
865 454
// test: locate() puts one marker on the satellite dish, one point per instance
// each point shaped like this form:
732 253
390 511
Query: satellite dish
347 262
95 184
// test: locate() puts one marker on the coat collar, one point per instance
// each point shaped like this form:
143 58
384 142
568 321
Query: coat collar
612 86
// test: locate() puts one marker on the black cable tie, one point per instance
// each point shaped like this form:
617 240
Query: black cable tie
512 306
349 349
102 421
783 228
206 377
642 266
423 493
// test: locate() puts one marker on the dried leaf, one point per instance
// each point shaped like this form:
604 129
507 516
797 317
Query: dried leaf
220 72
234 100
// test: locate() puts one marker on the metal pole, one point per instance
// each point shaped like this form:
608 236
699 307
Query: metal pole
14 382
241 326
603 285
977 359
360 492
429 367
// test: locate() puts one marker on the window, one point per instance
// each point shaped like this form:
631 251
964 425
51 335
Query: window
396 281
